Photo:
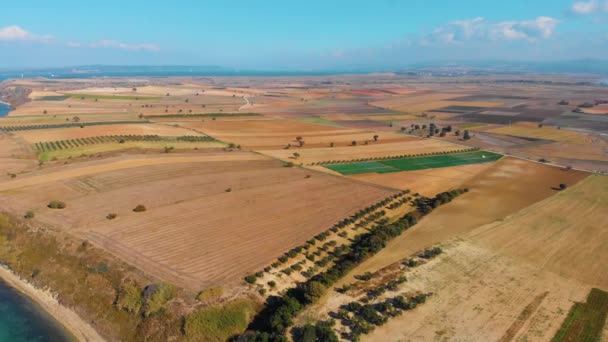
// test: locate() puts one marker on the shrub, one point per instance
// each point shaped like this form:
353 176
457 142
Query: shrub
55 204
210 294
156 297
29 214
111 216
139 208
218 323
272 283
130 298
563 186
251 279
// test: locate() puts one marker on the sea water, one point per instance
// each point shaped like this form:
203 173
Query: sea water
4 109
23 320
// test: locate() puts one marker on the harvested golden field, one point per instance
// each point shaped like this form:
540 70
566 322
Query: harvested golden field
565 233
482 295
546 133
15 156
71 106
54 134
277 134
504 188
190 232
427 182
382 148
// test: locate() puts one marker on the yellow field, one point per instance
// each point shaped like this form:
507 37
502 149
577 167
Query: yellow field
565 233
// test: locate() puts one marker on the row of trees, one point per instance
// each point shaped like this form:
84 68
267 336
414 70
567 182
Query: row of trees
279 312
73 143
65 125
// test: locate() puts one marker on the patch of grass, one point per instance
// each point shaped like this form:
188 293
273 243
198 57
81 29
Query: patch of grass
130 298
219 323
112 97
52 98
210 294
320 121
158 295
585 321
415 163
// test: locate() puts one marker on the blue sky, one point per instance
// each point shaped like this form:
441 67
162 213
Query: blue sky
302 35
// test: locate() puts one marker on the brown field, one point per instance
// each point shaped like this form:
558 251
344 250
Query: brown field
427 182
408 145
546 133
504 188
15 156
427 102
276 134
186 234
54 134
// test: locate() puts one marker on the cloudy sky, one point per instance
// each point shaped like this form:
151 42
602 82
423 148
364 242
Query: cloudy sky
299 35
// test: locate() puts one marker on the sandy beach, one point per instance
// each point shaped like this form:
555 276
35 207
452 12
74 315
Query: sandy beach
81 330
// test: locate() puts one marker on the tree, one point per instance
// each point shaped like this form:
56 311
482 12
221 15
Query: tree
296 155
376 137
313 291
139 208
354 143
466 135
29 214
563 186
55 204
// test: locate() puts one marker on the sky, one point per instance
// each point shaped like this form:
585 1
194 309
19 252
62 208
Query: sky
298 35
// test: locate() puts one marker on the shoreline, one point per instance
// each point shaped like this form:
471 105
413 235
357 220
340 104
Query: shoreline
81 330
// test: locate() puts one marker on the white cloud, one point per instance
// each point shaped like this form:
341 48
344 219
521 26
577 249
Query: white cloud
119 45
15 33
590 7
480 29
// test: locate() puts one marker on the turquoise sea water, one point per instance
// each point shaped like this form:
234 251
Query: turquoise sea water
4 109
22 320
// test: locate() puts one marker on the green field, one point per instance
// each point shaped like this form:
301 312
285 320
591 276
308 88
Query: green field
585 321
415 163
112 97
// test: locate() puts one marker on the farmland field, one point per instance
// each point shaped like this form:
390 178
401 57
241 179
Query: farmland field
270 203
405 145
415 163
192 250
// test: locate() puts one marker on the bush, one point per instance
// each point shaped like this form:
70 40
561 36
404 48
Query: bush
272 283
218 323
563 186
55 204
139 208
210 294
29 214
251 279
111 216
156 297
130 298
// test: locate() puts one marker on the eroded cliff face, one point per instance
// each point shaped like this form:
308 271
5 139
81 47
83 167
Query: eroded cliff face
13 94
